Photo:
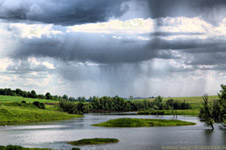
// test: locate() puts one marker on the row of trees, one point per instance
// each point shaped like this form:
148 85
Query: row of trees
215 111
74 108
33 94
19 92
119 104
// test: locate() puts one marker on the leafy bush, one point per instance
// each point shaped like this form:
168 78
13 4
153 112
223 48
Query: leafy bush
39 105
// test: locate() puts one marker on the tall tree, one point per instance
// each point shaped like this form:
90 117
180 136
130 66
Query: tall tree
222 101
206 112
48 95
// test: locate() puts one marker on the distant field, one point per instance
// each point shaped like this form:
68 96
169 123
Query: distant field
196 99
19 99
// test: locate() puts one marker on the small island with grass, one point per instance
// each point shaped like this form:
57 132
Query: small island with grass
94 141
15 147
136 122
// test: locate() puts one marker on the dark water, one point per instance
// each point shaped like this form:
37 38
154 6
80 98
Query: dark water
56 134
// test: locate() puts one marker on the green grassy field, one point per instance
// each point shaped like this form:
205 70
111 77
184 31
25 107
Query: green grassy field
136 122
94 141
194 101
19 115
8 99
12 111
191 100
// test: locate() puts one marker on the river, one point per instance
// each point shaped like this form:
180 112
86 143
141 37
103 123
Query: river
55 134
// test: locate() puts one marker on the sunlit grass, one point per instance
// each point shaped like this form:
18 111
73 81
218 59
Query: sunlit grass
137 122
8 99
19 115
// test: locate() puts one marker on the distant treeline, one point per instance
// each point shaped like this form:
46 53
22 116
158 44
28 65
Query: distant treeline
33 94
105 103
119 104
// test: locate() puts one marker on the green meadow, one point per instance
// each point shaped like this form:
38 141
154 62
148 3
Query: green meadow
194 101
13 111
136 122
8 99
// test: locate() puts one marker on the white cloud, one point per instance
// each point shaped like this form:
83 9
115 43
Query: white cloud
185 25
35 62
133 26
4 63
48 65
34 30
221 29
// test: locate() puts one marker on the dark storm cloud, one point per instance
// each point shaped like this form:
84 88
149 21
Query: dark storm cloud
211 10
183 44
213 58
84 47
65 12
213 48
104 49
24 67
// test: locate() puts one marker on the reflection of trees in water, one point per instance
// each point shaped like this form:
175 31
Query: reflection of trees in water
208 136
218 135
224 136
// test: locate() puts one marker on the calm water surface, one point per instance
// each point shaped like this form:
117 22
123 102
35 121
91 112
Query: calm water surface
55 134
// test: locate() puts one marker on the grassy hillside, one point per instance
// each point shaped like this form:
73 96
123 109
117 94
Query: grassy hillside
8 99
12 111
195 99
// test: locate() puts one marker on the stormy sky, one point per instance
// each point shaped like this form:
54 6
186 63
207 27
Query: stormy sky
113 47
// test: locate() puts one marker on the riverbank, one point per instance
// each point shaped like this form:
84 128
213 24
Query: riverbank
137 122
12 115
14 147
192 112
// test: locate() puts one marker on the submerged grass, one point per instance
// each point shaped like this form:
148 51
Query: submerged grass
94 141
136 122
